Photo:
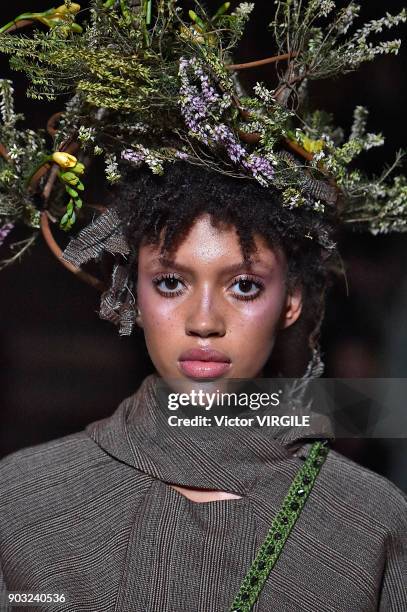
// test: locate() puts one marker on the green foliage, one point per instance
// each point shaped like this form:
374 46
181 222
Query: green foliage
61 17
24 149
112 64
318 32
119 74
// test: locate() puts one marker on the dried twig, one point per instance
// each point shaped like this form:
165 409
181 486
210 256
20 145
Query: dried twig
262 62
22 246
55 249
52 122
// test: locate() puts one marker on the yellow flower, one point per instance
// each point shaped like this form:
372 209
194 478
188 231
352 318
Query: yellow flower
197 35
192 33
312 146
72 9
61 16
64 160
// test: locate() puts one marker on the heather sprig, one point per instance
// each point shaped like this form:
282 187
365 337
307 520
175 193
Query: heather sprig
149 84
204 110
320 36
4 231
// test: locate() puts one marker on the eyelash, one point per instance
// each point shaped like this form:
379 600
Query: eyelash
159 279
254 281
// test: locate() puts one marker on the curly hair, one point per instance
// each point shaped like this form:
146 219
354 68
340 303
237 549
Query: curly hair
161 210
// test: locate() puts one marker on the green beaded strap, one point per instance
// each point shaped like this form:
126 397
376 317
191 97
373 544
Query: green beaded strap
280 529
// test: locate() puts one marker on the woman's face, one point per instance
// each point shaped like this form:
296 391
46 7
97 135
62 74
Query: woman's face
205 313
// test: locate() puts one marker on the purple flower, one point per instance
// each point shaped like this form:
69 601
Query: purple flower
135 157
181 155
260 166
203 107
4 231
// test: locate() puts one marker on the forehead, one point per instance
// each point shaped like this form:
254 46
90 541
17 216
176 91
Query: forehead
208 244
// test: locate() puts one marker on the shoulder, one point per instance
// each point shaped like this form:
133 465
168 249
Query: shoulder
34 480
52 478
39 473
34 461
364 494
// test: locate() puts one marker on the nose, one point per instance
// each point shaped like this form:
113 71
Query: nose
205 316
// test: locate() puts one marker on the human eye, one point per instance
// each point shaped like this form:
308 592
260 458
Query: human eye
169 285
246 288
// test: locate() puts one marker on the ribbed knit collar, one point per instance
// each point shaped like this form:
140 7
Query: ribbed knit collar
222 458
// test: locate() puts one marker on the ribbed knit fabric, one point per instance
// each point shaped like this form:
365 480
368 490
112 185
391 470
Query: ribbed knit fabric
93 516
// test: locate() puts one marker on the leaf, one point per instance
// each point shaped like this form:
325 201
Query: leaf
221 10
148 12
194 17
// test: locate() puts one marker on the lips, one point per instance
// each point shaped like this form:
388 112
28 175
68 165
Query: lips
204 354
204 363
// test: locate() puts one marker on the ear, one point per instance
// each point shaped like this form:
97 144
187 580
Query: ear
292 307
138 319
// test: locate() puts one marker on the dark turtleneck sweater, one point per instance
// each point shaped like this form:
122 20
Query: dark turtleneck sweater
92 516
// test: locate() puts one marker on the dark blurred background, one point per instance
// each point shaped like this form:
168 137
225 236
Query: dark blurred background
62 367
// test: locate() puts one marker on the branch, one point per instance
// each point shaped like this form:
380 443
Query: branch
24 246
16 25
46 192
263 62
52 122
4 152
298 149
55 249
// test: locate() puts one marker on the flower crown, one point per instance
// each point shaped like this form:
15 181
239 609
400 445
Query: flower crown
151 85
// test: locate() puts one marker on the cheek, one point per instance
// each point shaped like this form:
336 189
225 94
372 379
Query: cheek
159 314
159 323
262 316
254 328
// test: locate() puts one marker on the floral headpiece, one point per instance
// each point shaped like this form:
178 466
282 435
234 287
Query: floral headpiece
151 85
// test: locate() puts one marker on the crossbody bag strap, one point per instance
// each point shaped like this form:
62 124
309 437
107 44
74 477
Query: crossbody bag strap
280 529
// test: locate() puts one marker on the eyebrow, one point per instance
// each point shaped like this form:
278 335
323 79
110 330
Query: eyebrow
233 269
